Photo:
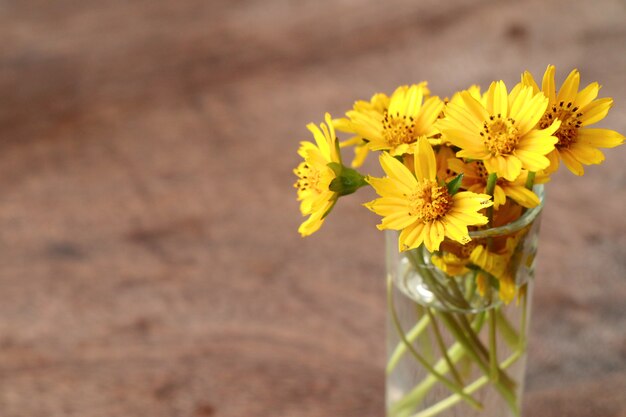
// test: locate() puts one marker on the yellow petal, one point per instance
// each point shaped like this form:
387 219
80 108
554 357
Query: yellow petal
520 101
354 140
499 197
320 139
425 162
595 111
427 115
547 85
569 89
571 163
531 113
603 138
394 168
343 125
586 154
540 141
463 139
312 224
411 237
528 80
389 186
497 99
475 108
507 289
437 233
553 157
532 161
522 195
587 95
512 167
464 116
413 98
396 221
456 229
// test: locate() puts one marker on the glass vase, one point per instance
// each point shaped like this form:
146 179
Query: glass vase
458 322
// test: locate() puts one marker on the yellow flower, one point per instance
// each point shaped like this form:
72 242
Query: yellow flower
451 264
376 107
423 210
500 129
497 265
577 145
475 179
397 128
315 176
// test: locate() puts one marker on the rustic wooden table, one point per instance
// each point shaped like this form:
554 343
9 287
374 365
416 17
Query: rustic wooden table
149 261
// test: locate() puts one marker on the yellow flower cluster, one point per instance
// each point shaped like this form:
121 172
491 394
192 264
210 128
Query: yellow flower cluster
452 165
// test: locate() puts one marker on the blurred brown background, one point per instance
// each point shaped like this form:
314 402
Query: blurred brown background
149 260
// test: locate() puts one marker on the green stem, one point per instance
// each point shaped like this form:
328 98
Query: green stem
473 387
472 346
458 293
507 331
491 186
456 352
457 331
411 336
490 354
442 347
425 342
445 381
493 354
524 323
530 180
471 286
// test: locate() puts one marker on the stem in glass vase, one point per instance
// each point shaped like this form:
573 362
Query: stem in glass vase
442 347
445 381
456 352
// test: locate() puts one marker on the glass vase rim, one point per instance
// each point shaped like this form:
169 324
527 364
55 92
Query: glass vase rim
524 220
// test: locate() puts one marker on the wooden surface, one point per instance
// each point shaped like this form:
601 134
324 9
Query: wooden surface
149 261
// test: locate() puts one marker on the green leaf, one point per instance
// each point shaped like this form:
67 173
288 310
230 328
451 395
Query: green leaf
455 184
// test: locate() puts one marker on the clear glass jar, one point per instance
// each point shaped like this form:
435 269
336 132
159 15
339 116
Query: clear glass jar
458 321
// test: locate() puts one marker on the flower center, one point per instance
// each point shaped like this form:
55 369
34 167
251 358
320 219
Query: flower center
570 123
398 129
309 178
429 201
481 171
500 135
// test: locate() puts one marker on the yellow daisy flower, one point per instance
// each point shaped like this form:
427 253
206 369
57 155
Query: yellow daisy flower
577 145
416 204
500 129
497 264
451 264
492 262
396 129
315 176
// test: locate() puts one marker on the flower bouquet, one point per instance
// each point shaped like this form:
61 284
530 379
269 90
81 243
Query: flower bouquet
461 201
